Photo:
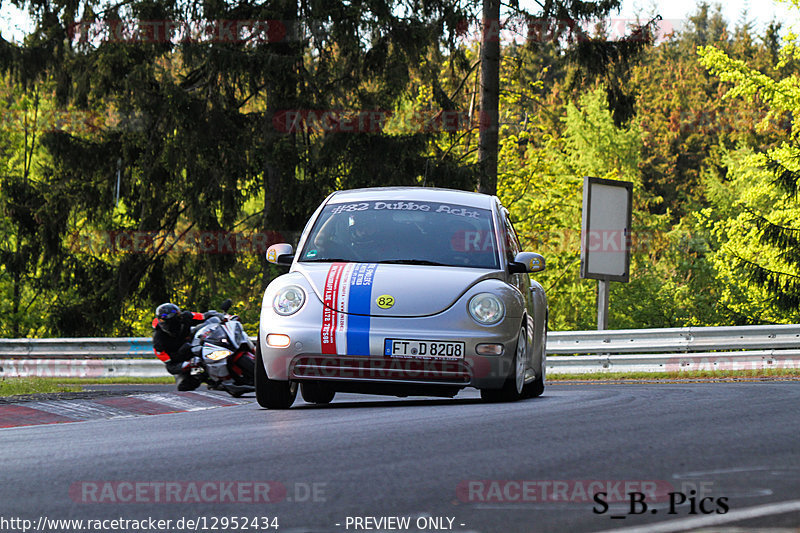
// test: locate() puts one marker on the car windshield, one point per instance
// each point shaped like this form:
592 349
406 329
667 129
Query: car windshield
403 232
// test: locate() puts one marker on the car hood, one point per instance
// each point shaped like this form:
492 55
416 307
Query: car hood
407 290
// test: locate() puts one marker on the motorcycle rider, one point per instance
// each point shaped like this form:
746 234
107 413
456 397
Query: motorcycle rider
172 342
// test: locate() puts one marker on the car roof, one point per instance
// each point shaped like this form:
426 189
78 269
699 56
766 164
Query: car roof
420 194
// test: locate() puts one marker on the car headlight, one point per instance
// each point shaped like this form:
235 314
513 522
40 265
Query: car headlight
486 308
289 300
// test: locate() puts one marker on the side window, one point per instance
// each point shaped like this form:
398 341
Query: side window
512 242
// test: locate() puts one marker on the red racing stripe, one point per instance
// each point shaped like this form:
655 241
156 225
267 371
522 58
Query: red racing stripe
329 298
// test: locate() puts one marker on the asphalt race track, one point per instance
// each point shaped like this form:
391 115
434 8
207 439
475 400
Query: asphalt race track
368 463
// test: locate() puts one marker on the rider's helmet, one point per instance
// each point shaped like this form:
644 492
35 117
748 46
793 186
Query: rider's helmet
169 318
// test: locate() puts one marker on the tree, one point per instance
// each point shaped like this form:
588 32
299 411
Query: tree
490 96
592 58
542 185
26 250
768 181
197 141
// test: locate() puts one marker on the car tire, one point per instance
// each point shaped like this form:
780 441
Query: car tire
535 388
514 386
314 392
272 393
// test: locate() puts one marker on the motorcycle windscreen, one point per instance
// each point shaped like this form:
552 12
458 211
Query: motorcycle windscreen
217 335
203 330
237 334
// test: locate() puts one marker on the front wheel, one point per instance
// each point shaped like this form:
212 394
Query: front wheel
271 393
514 384
243 369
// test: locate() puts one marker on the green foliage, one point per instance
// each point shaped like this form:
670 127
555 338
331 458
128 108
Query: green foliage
760 236
594 145
543 185
170 141
746 207
192 139
610 61
18 386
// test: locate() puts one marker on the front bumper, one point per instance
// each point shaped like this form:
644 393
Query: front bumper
303 358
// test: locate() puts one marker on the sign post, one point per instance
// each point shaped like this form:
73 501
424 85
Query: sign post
602 304
606 236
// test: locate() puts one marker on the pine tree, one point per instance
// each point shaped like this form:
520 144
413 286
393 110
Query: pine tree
770 212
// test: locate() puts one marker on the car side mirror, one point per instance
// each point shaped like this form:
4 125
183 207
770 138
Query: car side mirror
526 262
280 254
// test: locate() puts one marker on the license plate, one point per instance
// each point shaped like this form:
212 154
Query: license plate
429 349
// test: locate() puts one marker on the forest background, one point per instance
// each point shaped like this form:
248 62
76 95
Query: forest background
137 168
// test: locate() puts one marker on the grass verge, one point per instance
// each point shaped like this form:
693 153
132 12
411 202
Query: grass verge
38 385
33 385
117 381
705 375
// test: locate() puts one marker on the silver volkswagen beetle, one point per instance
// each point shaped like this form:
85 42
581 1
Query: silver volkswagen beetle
403 291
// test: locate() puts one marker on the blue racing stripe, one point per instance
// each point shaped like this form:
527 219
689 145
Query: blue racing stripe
358 308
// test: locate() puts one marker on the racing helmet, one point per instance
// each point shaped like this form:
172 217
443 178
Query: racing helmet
169 318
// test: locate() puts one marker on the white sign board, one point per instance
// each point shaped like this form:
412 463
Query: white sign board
606 229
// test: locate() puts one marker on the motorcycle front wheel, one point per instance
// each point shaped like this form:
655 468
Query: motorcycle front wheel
247 367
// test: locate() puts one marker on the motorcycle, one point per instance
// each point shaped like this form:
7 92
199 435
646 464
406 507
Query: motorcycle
223 354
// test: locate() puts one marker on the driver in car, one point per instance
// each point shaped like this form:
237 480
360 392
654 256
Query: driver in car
363 227
353 236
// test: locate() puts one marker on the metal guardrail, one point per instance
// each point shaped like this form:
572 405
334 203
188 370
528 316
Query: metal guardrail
89 348
573 352
83 368
674 340
80 358
674 349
